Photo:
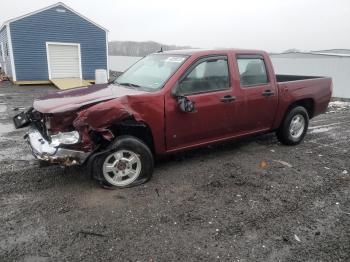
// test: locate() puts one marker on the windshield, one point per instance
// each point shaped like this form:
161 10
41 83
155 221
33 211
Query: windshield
151 72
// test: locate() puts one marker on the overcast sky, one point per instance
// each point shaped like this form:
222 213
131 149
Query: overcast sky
273 25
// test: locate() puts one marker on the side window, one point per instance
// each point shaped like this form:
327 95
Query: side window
252 71
2 52
6 50
210 74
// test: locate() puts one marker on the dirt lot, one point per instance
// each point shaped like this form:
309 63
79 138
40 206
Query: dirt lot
220 203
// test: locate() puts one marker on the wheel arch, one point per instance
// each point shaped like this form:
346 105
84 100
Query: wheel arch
138 129
307 103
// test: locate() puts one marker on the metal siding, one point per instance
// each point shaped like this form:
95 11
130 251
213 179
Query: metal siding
30 34
4 40
336 67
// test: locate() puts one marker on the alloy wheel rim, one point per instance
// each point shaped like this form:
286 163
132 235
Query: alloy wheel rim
297 126
122 167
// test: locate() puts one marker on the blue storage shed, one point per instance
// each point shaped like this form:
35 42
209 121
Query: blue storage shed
52 43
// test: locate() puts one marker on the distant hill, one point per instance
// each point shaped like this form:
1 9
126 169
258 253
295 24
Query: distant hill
292 50
131 48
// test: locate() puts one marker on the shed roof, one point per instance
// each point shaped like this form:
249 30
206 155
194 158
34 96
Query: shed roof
49 7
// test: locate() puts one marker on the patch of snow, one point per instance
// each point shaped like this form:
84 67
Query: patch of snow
323 128
283 163
320 130
6 128
336 106
340 103
3 108
333 124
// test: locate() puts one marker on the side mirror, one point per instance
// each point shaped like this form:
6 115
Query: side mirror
186 105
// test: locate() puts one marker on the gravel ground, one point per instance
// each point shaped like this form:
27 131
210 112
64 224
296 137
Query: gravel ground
248 200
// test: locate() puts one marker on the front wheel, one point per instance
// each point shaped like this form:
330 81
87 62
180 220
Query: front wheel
129 162
294 126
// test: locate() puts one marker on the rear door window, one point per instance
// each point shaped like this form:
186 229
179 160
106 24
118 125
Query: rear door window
252 70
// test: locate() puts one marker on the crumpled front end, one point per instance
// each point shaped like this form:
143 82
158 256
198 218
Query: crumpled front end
46 150
66 127
52 138
69 138
100 117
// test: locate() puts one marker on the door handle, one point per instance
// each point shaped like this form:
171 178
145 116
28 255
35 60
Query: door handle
227 99
268 93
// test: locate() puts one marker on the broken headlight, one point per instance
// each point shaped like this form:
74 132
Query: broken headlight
66 138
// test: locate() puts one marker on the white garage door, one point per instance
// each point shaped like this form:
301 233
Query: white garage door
63 60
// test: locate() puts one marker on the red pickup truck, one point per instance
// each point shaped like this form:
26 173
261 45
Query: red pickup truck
168 102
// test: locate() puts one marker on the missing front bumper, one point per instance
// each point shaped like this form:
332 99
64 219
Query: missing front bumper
43 150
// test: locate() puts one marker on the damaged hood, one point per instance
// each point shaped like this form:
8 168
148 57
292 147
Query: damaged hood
73 99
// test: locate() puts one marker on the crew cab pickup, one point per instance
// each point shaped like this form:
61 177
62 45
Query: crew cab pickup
169 102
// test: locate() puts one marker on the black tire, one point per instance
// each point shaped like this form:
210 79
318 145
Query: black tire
127 143
283 133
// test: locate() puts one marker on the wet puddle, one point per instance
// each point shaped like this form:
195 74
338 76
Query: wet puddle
3 108
6 128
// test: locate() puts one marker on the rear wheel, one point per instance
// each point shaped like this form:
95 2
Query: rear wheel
294 126
129 162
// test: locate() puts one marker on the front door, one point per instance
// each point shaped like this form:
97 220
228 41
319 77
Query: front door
207 84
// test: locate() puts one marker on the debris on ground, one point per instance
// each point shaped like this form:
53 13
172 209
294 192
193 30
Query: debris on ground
3 77
283 163
43 209
263 164
157 192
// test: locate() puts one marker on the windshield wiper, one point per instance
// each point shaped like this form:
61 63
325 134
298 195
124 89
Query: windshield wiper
128 84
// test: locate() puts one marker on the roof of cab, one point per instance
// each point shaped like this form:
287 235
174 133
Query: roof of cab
210 51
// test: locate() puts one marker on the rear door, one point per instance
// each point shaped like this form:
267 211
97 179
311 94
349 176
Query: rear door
207 83
257 90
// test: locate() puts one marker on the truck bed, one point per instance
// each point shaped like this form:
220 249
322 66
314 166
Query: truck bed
315 90
288 78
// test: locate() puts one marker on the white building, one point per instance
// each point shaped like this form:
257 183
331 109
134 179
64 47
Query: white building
334 63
